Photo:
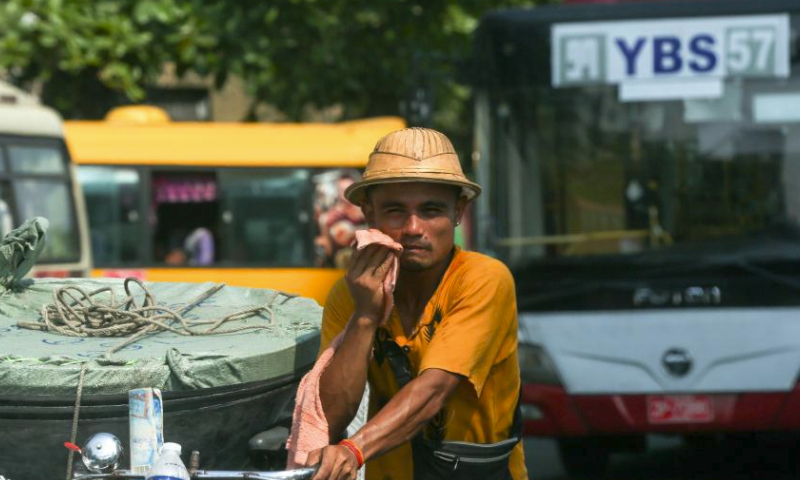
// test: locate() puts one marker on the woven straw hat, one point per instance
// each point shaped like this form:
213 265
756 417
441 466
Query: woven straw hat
413 155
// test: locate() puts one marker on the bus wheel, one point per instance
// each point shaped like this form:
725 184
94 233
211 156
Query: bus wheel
583 457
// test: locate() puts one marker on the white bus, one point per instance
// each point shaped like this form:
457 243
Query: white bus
641 172
37 179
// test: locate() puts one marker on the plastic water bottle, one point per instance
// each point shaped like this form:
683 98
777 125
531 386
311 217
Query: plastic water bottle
169 465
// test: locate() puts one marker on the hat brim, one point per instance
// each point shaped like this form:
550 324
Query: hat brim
357 192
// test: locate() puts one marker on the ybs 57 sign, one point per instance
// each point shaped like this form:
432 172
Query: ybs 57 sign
691 48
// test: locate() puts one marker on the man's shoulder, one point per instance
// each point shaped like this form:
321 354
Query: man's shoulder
339 294
340 287
337 310
479 265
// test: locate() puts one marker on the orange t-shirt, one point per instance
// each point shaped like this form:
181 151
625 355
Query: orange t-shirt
469 327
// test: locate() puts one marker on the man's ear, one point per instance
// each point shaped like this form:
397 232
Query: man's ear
461 206
369 213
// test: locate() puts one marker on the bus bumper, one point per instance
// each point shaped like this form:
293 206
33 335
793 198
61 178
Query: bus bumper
549 411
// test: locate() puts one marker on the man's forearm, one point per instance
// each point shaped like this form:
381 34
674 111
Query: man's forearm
406 413
343 381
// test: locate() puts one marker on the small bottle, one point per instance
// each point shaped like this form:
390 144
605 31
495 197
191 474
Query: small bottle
169 465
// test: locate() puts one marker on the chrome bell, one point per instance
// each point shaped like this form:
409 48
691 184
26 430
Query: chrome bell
102 453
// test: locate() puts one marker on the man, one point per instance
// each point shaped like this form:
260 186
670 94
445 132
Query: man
453 327
199 245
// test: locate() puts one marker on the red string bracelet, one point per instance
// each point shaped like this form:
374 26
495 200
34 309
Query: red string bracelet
356 451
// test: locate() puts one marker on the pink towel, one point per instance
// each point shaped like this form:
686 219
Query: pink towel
364 238
309 425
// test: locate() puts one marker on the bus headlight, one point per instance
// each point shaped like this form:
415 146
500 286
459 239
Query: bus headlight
536 366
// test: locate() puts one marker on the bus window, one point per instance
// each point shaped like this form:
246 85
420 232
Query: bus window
41 187
583 181
184 208
267 217
113 205
50 198
231 217
36 160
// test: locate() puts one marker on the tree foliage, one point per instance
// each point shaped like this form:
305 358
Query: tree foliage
363 55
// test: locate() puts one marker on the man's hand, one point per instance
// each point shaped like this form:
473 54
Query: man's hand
336 462
365 277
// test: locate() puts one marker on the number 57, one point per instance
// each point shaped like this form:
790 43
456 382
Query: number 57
750 50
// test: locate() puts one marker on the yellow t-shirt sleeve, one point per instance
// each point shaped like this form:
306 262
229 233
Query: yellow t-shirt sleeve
335 314
478 329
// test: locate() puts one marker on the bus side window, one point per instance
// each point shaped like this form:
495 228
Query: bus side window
41 188
113 202
266 217
185 206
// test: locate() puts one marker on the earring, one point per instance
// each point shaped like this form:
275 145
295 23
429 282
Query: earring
458 222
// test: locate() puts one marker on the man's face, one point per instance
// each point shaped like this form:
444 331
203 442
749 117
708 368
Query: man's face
419 216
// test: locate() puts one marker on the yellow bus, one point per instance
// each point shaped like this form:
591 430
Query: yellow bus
37 179
246 204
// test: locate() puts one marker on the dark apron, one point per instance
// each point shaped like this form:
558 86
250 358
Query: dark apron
447 460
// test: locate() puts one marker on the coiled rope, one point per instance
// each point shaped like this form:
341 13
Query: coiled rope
78 313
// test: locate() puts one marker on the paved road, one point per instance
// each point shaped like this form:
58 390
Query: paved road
667 458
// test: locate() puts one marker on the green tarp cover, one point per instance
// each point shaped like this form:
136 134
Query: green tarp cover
43 363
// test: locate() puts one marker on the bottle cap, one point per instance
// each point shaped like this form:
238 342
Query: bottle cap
175 447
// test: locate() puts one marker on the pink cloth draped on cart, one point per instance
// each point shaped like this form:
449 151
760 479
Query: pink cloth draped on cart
309 425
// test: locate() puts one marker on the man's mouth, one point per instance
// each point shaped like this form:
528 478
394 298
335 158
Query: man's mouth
412 248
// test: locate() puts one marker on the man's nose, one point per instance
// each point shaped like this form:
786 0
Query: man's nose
413 225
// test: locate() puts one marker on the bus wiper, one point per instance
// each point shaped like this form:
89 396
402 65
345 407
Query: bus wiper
579 288
576 289
778 278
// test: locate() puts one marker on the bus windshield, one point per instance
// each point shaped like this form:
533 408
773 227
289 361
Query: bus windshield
585 185
605 178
